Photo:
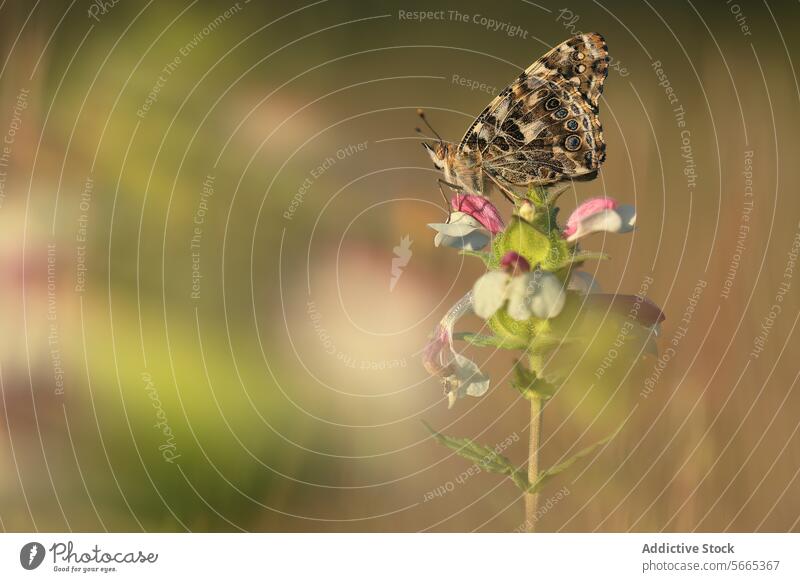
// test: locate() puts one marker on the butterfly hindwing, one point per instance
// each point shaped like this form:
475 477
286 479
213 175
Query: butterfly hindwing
552 136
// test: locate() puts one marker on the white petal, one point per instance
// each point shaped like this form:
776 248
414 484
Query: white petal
473 381
473 241
462 232
583 283
489 293
627 214
467 380
548 297
460 224
620 219
520 290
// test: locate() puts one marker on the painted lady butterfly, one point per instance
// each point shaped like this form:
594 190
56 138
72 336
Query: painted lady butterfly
541 129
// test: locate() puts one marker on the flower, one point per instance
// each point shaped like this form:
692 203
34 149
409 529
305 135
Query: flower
479 208
607 331
460 375
527 211
471 225
599 215
528 293
462 232
637 307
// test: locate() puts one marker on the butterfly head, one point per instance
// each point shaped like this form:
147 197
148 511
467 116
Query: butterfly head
438 151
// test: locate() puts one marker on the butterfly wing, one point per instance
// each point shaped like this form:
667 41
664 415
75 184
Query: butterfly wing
544 127
582 61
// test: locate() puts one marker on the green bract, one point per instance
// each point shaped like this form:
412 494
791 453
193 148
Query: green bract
539 241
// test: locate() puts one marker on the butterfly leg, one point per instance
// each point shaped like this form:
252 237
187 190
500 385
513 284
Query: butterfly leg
508 194
450 185
458 190
444 196
455 187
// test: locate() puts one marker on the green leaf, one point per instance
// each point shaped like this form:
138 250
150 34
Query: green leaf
526 382
483 341
485 457
548 474
544 342
485 257
581 257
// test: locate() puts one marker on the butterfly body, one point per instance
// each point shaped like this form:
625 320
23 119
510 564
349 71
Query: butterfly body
541 129
463 170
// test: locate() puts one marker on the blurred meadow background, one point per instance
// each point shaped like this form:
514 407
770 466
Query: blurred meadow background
199 206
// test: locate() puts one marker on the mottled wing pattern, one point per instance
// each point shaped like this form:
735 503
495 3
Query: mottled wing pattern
582 61
553 137
544 127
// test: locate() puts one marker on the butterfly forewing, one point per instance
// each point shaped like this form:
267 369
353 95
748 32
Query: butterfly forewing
581 61
544 127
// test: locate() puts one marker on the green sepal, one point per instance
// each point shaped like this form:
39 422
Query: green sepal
485 257
521 332
581 257
539 242
559 251
537 196
483 341
506 327
522 238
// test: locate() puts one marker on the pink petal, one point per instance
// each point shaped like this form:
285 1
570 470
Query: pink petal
479 208
438 354
585 209
646 312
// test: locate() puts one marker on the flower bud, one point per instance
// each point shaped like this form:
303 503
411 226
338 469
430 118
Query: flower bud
527 211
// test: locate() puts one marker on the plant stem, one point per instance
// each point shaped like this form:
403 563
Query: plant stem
532 499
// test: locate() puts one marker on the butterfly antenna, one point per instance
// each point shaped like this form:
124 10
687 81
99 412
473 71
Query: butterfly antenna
421 114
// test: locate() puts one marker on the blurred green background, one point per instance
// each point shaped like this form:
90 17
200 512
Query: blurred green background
199 204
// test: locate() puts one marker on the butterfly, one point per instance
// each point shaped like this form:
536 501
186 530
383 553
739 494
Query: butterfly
541 129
